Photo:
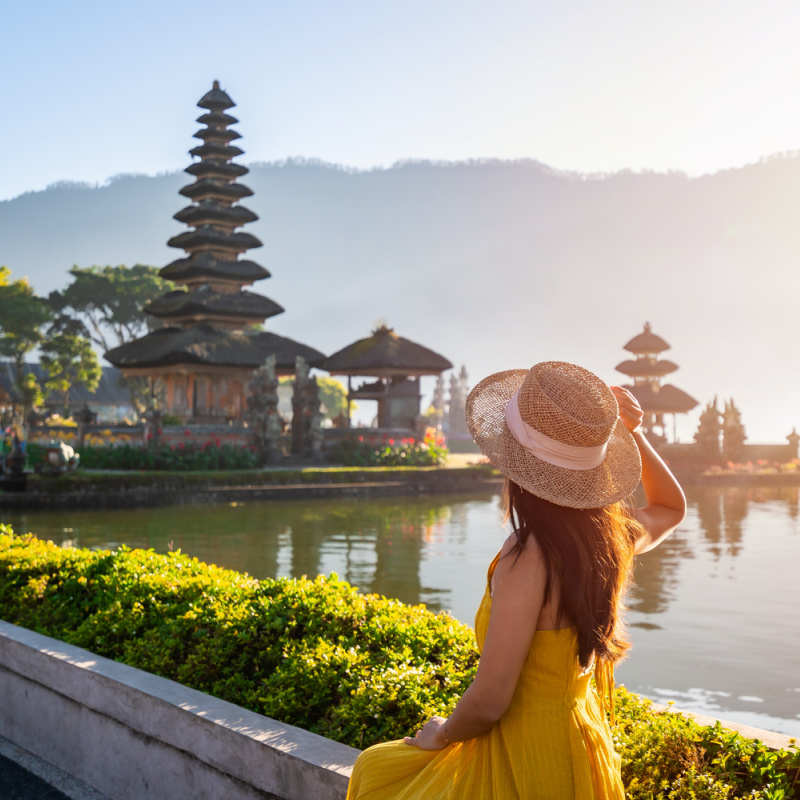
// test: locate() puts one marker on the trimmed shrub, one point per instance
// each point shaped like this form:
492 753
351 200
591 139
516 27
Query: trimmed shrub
174 458
318 654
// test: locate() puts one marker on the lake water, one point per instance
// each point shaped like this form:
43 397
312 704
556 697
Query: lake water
713 612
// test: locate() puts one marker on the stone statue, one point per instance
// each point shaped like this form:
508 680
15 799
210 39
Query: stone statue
153 418
456 415
85 418
262 414
794 439
307 432
438 402
298 428
316 434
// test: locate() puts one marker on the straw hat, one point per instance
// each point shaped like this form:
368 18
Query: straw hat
554 430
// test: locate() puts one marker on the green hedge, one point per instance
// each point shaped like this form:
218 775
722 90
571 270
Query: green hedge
320 655
174 457
166 457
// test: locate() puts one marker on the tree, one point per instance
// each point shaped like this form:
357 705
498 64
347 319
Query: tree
708 431
106 304
733 435
333 395
22 316
31 392
69 361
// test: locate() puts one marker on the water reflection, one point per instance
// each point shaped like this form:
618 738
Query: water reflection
656 576
719 515
379 545
712 610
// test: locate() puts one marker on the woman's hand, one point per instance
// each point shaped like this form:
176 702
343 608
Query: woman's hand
630 412
430 736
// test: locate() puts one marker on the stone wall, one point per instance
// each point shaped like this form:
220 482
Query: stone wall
689 455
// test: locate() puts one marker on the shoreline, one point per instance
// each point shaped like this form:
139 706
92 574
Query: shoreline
86 489
131 489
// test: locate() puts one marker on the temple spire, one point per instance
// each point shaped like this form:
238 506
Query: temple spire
211 269
209 345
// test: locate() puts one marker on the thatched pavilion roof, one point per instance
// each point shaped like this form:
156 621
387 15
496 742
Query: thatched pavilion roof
384 354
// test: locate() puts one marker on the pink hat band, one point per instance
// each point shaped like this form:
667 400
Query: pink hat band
550 450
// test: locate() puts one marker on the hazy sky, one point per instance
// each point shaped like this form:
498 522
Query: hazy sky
93 89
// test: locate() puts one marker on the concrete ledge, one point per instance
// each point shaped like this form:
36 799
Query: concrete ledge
131 734
775 741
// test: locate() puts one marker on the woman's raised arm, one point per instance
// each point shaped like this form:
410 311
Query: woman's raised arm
666 503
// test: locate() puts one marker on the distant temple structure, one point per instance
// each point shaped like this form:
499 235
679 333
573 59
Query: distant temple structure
647 371
210 345
397 364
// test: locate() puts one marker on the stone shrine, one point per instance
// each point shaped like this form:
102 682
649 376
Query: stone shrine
396 364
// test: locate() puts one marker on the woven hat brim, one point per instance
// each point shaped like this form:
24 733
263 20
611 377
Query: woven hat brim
614 479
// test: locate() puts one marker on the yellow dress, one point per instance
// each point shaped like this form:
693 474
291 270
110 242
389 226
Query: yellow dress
553 742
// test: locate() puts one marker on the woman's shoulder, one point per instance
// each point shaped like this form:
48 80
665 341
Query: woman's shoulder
527 547
517 556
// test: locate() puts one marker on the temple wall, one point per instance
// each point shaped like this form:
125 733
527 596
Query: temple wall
690 455
780 453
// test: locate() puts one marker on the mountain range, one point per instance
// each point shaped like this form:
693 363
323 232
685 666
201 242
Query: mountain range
493 264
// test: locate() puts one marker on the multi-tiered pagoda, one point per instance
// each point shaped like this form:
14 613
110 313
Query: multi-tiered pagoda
648 370
210 346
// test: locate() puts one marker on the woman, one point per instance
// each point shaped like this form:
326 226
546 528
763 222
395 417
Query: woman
531 725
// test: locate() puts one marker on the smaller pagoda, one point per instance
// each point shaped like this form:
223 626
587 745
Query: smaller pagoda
397 365
657 399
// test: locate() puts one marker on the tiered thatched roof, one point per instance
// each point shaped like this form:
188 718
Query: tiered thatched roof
207 320
205 345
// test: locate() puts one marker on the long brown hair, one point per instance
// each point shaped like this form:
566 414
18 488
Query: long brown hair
590 552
